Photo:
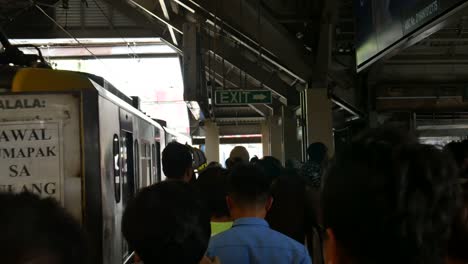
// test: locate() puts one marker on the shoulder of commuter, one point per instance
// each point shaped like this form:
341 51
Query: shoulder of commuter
306 259
285 240
299 250
208 260
216 240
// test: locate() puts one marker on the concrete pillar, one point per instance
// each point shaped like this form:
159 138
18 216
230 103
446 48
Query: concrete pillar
266 144
211 141
319 118
276 136
292 147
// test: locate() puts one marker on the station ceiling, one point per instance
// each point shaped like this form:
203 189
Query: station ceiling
278 45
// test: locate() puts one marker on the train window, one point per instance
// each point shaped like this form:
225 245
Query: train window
146 164
128 176
149 163
137 166
116 165
158 162
153 164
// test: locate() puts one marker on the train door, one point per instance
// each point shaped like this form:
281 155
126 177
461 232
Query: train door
156 176
128 147
156 162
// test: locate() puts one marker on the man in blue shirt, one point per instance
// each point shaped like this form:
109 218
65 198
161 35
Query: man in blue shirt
250 240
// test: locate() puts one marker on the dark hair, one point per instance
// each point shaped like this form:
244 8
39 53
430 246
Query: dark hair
254 159
248 185
212 185
389 199
458 243
231 163
458 151
317 151
167 223
271 166
39 230
176 159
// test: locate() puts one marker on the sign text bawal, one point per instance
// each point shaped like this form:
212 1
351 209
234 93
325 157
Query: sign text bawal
242 97
30 158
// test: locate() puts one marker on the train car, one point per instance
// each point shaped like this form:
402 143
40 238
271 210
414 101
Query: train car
74 137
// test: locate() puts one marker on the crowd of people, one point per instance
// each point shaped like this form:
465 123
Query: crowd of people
385 198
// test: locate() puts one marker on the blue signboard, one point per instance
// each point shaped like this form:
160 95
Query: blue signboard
381 24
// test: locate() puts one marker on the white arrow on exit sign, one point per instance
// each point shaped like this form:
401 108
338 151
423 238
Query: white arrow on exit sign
259 97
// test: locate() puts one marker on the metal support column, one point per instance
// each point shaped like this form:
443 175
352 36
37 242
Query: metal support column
319 118
316 105
276 134
266 138
292 143
211 141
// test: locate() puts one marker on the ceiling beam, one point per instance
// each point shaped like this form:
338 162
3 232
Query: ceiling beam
165 10
88 32
258 26
263 110
271 81
143 21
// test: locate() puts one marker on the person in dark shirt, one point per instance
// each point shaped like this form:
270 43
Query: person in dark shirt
389 199
177 162
458 243
39 231
313 168
212 185
295 212
167 223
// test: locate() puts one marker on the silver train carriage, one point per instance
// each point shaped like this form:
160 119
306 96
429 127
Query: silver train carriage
74 137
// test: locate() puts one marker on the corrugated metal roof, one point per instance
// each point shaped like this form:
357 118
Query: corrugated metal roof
91 13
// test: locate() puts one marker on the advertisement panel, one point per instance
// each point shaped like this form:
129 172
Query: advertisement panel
382 24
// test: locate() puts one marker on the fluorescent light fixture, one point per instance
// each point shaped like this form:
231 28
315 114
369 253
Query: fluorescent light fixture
231 136
153 15
182 4
84 41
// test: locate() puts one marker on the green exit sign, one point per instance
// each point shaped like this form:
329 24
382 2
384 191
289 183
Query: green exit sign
242 97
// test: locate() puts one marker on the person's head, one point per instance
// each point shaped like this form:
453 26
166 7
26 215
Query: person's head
271 166
317 152
248 192
212 184
458 243
239 154
177 162
254 160
167 223
389 199
39 231
459 151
